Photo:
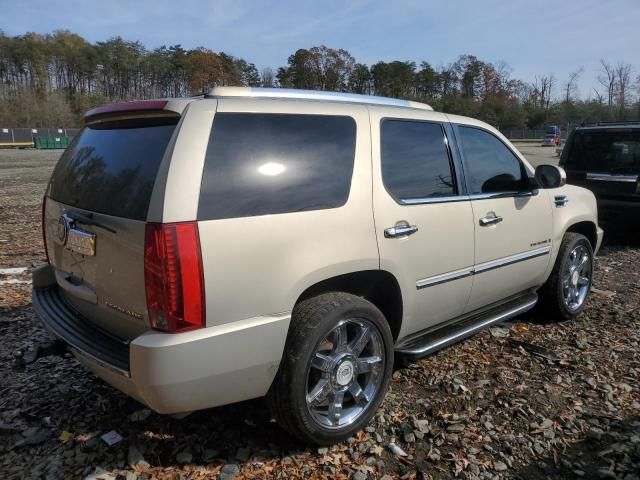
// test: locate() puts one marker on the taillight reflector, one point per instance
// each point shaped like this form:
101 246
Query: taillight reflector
173 276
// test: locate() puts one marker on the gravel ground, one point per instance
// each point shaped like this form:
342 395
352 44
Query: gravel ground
536 154
529 399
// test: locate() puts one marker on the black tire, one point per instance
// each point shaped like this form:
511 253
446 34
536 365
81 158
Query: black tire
312 320
552 294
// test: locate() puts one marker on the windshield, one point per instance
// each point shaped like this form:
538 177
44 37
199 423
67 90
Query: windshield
606 151
552 130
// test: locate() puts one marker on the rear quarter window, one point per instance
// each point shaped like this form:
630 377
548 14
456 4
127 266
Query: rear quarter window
111 167
260 164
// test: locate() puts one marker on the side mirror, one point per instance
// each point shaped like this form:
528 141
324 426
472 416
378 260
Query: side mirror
550 176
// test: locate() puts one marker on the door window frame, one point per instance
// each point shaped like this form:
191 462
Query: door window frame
526 174
455 164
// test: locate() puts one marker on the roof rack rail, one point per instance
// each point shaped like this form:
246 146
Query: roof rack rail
291 93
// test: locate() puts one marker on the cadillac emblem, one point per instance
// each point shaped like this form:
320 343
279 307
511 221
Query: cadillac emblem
63 228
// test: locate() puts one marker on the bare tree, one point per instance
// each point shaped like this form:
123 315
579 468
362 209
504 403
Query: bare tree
570 86
599 97
607 79
542 89
622 85
268 77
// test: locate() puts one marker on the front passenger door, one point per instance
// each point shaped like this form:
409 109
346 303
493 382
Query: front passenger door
513 225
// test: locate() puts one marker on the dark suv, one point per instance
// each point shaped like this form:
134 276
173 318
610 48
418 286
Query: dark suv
605 158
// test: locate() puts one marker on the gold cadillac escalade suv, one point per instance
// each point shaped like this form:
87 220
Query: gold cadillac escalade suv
288 243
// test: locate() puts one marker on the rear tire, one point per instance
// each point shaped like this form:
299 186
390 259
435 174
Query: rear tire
335 370
565 293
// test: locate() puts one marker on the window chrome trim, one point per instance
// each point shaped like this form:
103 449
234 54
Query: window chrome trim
481 268
462 198
443 199
605 177
509 194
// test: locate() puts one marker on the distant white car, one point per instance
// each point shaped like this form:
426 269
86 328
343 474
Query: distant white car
287 243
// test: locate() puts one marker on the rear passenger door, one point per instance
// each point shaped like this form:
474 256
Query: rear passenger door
513 224
423 220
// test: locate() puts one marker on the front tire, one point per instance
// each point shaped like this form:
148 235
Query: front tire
335 370
565 293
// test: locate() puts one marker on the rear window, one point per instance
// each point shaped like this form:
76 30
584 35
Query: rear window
605 151
259 164
111 167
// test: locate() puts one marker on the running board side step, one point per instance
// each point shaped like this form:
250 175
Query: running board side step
429 342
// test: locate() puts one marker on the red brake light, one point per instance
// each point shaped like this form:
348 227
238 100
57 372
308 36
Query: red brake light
173 276
44 232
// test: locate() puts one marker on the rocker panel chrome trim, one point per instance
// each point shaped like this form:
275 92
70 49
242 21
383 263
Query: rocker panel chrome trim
483 267
445 277
503 262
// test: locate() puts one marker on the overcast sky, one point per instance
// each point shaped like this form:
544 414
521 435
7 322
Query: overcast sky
541 37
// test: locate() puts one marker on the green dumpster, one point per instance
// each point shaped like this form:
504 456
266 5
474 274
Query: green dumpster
47 143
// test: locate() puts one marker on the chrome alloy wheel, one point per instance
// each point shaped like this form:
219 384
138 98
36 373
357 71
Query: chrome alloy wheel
345 373
576 279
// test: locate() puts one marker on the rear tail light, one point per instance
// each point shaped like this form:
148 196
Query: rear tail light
44 230
173 276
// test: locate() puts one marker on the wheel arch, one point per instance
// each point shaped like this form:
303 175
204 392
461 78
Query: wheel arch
377 286
587 228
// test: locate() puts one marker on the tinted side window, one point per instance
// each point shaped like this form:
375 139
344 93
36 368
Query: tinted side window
415 160
606 151
490 166
259 164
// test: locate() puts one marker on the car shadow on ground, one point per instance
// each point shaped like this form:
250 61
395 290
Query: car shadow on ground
609 450
618 235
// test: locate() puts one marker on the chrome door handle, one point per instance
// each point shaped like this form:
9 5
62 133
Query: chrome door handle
400 231
490 219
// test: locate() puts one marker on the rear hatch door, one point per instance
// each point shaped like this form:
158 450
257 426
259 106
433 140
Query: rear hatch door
95 214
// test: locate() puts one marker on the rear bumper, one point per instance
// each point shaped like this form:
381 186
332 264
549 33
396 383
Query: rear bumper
61 319
174 373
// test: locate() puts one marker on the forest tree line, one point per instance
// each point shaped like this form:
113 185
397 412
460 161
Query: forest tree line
52 79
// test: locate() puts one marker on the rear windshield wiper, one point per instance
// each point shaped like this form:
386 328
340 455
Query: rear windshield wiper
87 220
